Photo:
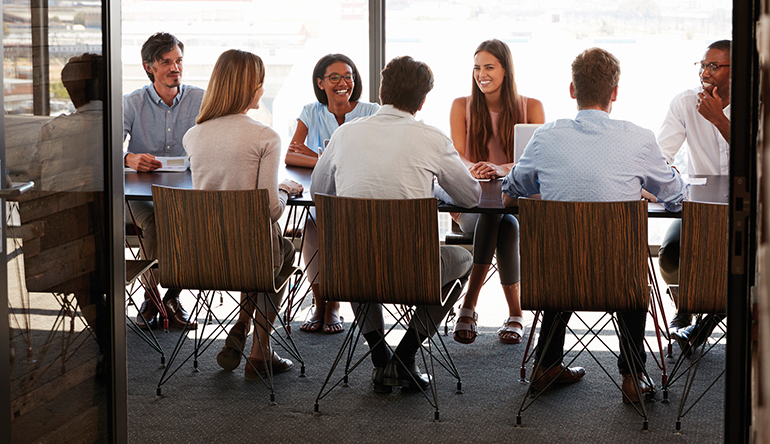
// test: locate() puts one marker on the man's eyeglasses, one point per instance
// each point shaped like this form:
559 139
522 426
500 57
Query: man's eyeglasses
712 67
335 78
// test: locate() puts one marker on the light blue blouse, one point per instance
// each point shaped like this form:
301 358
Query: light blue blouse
321 123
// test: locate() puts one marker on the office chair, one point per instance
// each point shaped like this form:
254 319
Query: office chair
367 258
585 256
702 288
218 240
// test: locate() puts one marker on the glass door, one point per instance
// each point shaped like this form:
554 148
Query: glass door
56 212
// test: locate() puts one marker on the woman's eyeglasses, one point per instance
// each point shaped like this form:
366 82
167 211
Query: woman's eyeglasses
335 78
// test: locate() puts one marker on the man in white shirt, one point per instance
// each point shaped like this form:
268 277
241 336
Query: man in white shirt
391 155
701 116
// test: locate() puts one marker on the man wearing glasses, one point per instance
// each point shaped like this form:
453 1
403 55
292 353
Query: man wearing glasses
701 116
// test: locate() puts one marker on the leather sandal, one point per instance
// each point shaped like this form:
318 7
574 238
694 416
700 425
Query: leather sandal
230 356
464 326
507 329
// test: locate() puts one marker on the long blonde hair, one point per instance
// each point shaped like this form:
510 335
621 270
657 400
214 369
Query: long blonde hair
480 130
236 78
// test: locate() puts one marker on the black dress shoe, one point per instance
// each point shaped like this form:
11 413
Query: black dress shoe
681 320
408 376
148 316
378 374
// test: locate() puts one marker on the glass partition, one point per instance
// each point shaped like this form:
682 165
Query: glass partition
57 275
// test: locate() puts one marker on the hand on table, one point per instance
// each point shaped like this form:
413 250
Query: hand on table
300 148
291 187
142 162
487 170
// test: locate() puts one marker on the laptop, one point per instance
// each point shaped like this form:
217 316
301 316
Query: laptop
522 132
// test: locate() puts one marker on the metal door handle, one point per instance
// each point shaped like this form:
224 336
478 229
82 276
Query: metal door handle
17 189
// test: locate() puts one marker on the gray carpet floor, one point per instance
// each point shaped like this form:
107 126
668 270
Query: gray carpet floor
213 405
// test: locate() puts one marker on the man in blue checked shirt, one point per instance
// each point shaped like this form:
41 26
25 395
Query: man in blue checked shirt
156 117
593 158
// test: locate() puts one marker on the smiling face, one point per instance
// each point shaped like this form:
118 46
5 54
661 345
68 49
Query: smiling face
340 91
721 77
167 70
488 72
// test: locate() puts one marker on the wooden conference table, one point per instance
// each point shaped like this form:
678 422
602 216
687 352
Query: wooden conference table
138 186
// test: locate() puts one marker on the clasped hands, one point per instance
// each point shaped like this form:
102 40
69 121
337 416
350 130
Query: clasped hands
487 170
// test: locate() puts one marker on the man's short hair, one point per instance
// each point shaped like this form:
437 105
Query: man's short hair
721 45
83 78
595 74
405 83
158 44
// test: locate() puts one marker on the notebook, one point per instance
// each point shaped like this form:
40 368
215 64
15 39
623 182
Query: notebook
522 132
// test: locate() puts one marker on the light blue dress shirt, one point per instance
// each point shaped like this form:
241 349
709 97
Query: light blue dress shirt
155 127
596 159
321 123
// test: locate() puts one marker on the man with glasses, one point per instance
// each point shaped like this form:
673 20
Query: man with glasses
700 116
157 116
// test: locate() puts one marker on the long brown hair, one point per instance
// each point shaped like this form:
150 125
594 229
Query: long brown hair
235 80
480 131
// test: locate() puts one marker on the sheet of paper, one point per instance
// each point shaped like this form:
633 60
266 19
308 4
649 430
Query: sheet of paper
171 164
695 180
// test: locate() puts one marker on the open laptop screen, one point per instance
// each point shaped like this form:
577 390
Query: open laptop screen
522 132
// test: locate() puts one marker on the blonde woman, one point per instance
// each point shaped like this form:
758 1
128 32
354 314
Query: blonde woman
230 151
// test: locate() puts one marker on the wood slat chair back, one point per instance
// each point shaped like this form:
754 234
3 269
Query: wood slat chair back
380 251
214 240
583 256
703 258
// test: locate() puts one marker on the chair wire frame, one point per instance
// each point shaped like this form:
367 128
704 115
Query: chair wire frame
204 307
628 218
432 352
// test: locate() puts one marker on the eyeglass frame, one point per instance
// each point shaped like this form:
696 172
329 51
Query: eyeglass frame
712 67
350 80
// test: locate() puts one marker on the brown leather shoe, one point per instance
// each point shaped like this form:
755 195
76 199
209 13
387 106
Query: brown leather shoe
147 316
569 375
629 393
255 366
177 315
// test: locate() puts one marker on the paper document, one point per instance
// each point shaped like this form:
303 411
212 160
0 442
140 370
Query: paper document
695 180
173 163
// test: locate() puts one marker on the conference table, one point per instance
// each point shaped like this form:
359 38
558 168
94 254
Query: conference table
138 186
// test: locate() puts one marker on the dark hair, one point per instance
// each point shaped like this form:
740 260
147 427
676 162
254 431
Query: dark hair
158 44
405 83
320 71
721 45
82 76
480 130
595 74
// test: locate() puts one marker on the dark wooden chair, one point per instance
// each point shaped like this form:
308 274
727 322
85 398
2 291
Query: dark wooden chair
366 258
218 240
702 284
585 256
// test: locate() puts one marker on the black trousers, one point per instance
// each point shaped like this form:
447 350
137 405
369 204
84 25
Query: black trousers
634 322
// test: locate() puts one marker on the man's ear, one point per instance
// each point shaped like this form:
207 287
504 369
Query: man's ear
147 66
423 103
571 90
615 93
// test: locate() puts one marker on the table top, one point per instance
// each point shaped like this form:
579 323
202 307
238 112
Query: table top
138 186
